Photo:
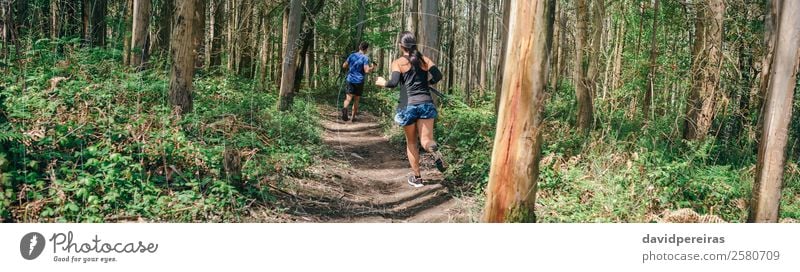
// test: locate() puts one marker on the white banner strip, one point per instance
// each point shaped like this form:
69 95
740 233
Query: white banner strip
400 247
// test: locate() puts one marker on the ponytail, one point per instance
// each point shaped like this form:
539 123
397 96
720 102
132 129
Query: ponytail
416 57
409 44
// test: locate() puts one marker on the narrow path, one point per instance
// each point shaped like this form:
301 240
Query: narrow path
365 181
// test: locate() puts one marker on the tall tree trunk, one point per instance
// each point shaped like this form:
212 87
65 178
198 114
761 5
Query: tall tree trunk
429 29
619 49
313 7
651 76
451 48
511 193
164 26
245 49
483 45
501 62
55 20
707 54
468 75
582 92
770 37
216 31
411 10
266 29
86 30
288 71
765 204
98 35
126 39
183 56
557 33
198 32
598 28
362 17
141 20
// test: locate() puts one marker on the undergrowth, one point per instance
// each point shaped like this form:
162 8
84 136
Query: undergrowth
103 144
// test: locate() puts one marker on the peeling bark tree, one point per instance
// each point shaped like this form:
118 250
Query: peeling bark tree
765 204
511 192
141 20
183 57
290 53
707 54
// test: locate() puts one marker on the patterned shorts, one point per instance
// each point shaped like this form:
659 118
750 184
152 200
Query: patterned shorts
411 113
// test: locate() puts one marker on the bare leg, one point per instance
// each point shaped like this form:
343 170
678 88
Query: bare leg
426 137
426 133
355 106
411 147
347 100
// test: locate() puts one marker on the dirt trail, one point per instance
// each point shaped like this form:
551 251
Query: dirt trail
365 181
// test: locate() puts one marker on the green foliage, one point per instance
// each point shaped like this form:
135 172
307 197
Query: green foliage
466 135
104 145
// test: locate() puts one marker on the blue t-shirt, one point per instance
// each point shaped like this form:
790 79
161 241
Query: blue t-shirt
356 63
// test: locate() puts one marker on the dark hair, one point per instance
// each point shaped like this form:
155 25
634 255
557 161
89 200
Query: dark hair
363 46
409 44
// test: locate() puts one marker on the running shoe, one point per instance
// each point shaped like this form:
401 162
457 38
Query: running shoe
345 116
438 158
415 181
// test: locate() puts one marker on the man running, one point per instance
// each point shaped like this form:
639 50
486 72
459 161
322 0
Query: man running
358 66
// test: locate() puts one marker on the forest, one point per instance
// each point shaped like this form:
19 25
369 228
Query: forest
550 111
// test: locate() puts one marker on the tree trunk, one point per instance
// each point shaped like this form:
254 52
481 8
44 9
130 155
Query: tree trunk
183 57
770 36
483 46
55 20
765 204
126 39
164 25
198 32
582 92
511 193
498 83
593 72
618 50
313 7
98 35
651 76
411 15
288 71
429 29
217 26
265 52
470 52
451 48
86 31
362 17
556 54
141 20
244 47
707 54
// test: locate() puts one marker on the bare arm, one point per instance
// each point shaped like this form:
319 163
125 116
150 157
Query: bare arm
395 79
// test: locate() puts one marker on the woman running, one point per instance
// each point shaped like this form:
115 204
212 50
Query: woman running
415 111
